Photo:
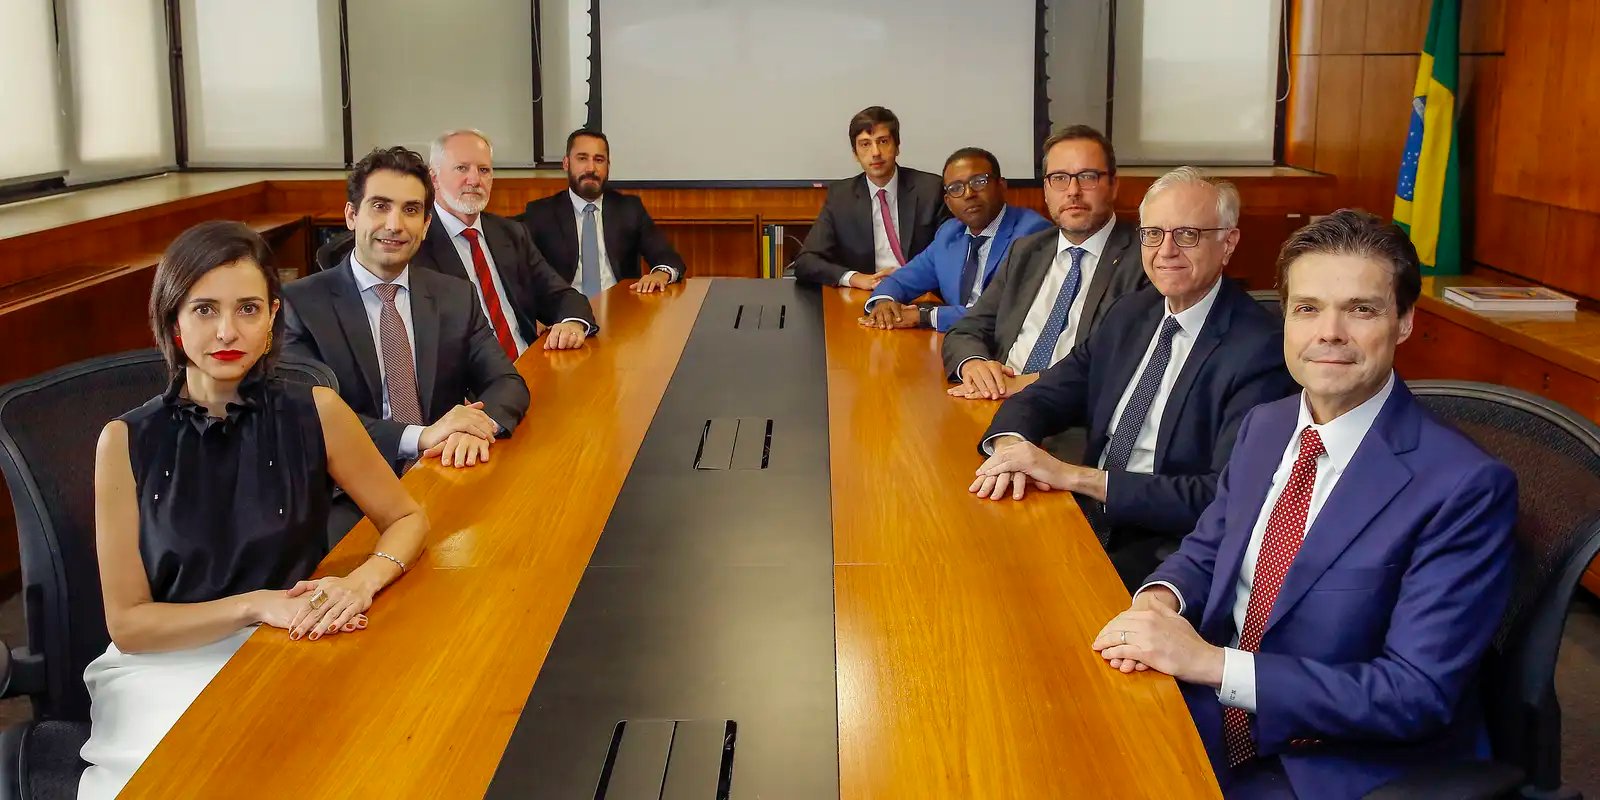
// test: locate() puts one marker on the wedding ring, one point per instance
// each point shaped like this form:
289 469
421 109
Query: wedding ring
322 597
1124 635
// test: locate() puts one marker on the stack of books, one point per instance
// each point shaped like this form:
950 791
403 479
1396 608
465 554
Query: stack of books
1510 298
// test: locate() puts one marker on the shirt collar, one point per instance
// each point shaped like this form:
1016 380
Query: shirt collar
892 187
1342 435
454 226
1192 318
1095 245
578 202
365 279
993 226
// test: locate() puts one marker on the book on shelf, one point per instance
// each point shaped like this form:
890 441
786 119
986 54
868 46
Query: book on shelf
1509 298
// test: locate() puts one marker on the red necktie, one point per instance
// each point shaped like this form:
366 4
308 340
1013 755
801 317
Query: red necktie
491 298
888 227
1286 529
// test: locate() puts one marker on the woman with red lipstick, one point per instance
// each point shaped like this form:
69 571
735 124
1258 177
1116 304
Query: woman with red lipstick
211 503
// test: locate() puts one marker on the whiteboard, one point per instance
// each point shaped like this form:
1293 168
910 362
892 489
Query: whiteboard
762 90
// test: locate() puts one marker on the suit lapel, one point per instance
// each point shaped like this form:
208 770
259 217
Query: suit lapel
1122 373
1037 266
442 251
613 219
425 327
1212 332
1249 479
505 263
861 220
998 247
907 212
351 315
567 224
1110 262
1374 476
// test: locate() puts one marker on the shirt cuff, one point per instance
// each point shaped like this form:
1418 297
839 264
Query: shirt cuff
844 280
933 319
988 444
408 441
587 328
873 300
1238 688
672 274
1175 592
964 363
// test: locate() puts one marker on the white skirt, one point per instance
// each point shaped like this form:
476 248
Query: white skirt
135 699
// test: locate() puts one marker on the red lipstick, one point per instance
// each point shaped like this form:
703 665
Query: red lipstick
228 355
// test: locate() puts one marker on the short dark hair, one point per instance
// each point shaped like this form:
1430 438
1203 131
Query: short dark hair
1076 133
1350 232
590 132
194 253
395 159
974 152
871 117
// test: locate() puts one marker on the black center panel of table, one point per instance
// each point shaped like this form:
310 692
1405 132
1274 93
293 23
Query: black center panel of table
697 657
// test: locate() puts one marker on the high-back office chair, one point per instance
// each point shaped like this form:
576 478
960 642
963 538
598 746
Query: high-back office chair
1268 298
48 428
331 252
1556 456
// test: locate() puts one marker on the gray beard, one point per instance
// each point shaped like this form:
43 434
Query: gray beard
463 206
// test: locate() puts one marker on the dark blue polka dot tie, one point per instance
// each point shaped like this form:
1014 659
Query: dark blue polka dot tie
1144 395
1045 347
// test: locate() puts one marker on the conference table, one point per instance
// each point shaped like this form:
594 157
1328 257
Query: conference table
729 553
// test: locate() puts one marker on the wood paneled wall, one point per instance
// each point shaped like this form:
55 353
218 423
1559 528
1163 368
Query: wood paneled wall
1352 67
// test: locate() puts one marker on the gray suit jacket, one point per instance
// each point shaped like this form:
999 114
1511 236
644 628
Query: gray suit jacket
990 327
457 355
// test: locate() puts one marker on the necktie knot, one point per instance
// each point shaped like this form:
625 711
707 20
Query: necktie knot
976 241
1077 254
1170 328
471 234
1311 447
589 209
386 291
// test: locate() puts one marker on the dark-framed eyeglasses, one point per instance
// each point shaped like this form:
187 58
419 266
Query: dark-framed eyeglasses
976 183
1087 179
1182 237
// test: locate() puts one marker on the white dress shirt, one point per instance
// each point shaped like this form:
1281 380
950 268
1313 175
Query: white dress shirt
1341 437
977 285
455 227
1039 313
365 281
608 279
1190 321
882 254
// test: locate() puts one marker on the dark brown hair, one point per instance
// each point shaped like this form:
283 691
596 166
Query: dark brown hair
1073 133
1350 232
871 117
395 159
975 153
591 133
194 253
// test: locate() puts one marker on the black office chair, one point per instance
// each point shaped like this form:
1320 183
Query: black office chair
1268 298
331 252
1556 456
48 428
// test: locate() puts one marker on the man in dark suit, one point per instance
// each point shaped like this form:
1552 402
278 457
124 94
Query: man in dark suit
414 356
875 222
1162 384
516 286
596 237
1055 286
965 252
1328 615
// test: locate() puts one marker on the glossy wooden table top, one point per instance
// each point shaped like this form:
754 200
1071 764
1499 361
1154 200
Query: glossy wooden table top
962 625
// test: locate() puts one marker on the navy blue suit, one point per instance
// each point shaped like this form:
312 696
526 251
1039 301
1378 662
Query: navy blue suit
1367 666
938 268
1236 363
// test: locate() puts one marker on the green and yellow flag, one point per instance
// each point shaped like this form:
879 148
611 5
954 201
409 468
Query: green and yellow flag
1427 203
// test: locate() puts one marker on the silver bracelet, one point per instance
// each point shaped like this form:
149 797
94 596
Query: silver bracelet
397 561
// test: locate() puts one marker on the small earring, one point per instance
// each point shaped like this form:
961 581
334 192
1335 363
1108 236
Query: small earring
269 341
178 339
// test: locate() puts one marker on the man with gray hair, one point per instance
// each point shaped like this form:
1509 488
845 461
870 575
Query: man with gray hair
1161 383
516 286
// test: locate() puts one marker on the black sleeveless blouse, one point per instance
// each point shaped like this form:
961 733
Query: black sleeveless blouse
229 505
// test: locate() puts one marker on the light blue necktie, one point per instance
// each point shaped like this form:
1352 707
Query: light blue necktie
1045 347
590 254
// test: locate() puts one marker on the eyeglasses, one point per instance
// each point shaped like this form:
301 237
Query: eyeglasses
1182 237
975 183
1087 179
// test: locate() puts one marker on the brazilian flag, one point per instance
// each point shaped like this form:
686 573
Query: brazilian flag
1427 203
